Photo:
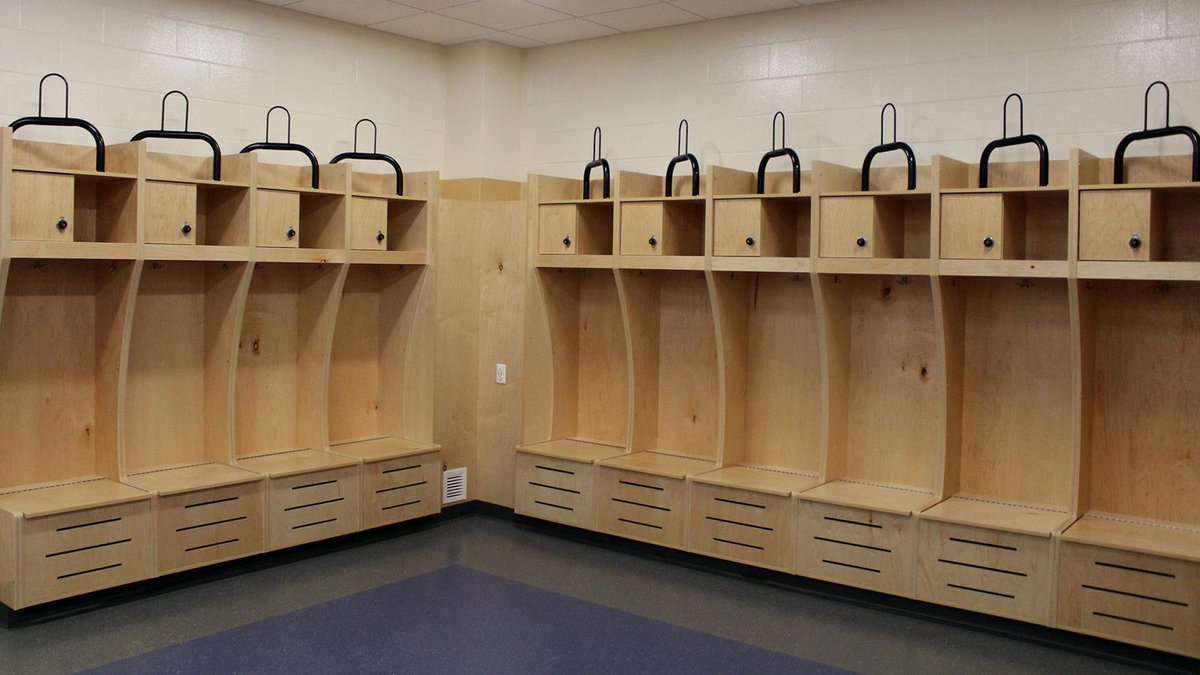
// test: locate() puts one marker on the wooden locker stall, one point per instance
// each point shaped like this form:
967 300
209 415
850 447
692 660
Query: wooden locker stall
655 230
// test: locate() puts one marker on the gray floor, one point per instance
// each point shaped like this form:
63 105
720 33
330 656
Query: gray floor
828 631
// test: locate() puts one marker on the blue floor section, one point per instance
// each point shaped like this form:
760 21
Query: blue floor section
458 620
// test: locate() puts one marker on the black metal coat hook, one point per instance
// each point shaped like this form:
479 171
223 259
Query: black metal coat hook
779 150
1020 139
597 161
163 132
65 121
889 147
1147 133
682 155
374 155
287 146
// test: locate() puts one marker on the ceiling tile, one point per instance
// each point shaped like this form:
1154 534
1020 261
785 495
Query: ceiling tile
432 28
716 9
589 7
431 5
509 39
361 12
643 18
503 14
565 31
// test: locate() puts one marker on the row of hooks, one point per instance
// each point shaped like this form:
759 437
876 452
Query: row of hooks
779 148
187 134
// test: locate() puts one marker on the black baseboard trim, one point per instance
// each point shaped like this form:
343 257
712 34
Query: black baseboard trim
1101 648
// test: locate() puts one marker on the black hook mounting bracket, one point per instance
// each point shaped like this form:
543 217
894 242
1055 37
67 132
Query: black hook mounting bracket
287 146
779 149
163 132
1020 139
65 121
1147 133
597 161
889 147
374 155
682 155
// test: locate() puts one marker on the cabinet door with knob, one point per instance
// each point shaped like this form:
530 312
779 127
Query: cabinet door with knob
738 227
368 228
278 222
557 229
170 213
642 228
862 227
982 227
43 206
1119 225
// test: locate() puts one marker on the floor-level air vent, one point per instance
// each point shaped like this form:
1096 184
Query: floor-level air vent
454 485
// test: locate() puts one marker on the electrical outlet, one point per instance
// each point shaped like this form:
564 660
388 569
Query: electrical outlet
501 373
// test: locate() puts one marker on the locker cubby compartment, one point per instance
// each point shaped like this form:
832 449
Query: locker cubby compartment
865 225
1140 224
775 226
64 207
290 213
388 223
184 205
669 227
179 377
1026 224
773 417
576 227
1138 473
885 389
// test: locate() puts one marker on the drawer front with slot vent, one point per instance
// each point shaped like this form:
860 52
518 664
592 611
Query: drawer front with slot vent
1143 599
209 526
741 525
401 489
75 553
641 506
985 571
856 547
313 506
556 489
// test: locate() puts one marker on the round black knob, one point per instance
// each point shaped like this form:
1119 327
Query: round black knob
988 242
61 224
186 229
1135 242
567 241
379 237
861 241
653 240
291 233
749 241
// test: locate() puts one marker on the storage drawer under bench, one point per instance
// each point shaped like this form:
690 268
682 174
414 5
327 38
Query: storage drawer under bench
400 489
741 525
555 489
309 507
209 526
641 506
856 547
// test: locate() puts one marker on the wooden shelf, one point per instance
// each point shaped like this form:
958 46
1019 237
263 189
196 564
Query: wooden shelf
668 263
263 254
583 202
382 448
759 479
71 250
1032 269
574 261
573 449
388 257
295 462
659 464
184 479
1015 518
888 266
77 495
1150 538
199 253
894 500
115 176
1133 271
770 265
665 200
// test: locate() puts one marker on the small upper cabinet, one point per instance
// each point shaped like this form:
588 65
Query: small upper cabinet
170 213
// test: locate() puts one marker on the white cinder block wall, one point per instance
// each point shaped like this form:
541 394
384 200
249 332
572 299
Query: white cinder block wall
947 64
1081 65
235 59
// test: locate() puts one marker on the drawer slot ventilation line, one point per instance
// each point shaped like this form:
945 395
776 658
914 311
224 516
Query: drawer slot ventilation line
1137 621
91 524
396 506
644 506
555 487
736 502
91 571
88 548
738 543
850 543
402 468
1134 569
550 468
319 522
734 522
553 506
854 522
320 503
635 522
980 590
1139 596
313 485
982 567
855 567
214 523
985 544
401 487
216 543
212 502
641 485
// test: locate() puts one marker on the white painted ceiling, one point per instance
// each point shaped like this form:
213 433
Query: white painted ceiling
526 23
